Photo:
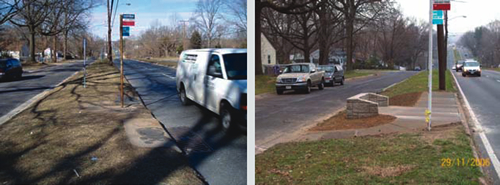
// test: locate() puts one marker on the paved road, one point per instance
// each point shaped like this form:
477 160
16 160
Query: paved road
220 158
277 116
483 95
15 93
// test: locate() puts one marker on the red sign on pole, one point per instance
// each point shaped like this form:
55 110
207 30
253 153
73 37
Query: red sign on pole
128 23
439 6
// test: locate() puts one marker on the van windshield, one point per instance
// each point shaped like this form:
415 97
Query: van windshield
236 66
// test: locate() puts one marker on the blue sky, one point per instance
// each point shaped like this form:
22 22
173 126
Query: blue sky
145 12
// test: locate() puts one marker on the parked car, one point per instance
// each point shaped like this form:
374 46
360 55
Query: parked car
471 67
300 76
10 69
217 80
333 74
459 65
417 68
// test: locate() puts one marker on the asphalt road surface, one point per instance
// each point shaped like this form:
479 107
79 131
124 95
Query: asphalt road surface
220 158
483 95
15 93
277 116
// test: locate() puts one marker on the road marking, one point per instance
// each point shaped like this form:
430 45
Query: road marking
168 76
487 145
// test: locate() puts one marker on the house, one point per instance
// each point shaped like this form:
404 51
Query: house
336 56
268 52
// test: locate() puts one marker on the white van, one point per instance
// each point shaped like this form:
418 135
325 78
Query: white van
217 80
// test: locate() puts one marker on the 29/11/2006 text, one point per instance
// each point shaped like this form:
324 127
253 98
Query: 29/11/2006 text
449 162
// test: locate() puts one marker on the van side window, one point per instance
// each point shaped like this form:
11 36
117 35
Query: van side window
214 66
189 58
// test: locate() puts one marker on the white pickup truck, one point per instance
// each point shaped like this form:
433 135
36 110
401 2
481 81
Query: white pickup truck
300 76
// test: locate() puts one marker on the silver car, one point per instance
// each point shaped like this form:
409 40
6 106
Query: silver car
333 74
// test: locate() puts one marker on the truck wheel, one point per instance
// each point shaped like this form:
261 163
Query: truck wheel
182 95
321 85
227 118
333 82
463 74
308 89
342 81
279 91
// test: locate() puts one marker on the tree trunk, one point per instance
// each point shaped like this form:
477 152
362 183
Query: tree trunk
349 45
54 53
110 53
65 44
258 53
32 58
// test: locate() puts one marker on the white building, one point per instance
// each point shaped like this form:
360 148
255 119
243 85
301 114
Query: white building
268 53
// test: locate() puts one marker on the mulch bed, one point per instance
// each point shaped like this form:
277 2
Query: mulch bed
407 100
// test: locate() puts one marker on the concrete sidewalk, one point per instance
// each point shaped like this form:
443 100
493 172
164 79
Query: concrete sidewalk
409 119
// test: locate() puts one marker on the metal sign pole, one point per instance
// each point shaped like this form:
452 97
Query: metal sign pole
84 63
121 59
429 109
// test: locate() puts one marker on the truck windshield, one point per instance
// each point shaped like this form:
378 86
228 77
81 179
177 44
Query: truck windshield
236 66
297 69
471 64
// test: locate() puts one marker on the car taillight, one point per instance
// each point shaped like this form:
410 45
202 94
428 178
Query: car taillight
243 101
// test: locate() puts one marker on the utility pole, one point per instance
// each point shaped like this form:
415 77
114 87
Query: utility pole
121 59
441 57
184 34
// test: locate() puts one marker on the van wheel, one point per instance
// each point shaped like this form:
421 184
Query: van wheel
182 95
342 81
227 118
321 85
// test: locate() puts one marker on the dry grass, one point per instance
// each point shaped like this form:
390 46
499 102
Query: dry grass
340 122
52 141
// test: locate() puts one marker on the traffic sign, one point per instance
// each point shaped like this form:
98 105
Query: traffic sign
437 21
128 23
126 31
439 6
128 16
437 14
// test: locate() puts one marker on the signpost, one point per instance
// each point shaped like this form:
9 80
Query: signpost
84 62
436 9
124 31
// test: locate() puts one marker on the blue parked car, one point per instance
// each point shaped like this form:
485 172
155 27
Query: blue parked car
10 69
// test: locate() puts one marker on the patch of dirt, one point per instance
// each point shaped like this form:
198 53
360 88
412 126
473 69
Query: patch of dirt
340 122
407 100
387 171
441 132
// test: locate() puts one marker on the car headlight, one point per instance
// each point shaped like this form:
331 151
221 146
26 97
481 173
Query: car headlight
278 80
301 79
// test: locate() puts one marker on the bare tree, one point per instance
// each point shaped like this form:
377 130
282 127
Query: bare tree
8 9
354 11
31 14
286 7
208 18
238 11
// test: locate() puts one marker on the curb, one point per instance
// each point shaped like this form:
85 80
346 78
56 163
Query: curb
475 122
32 101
